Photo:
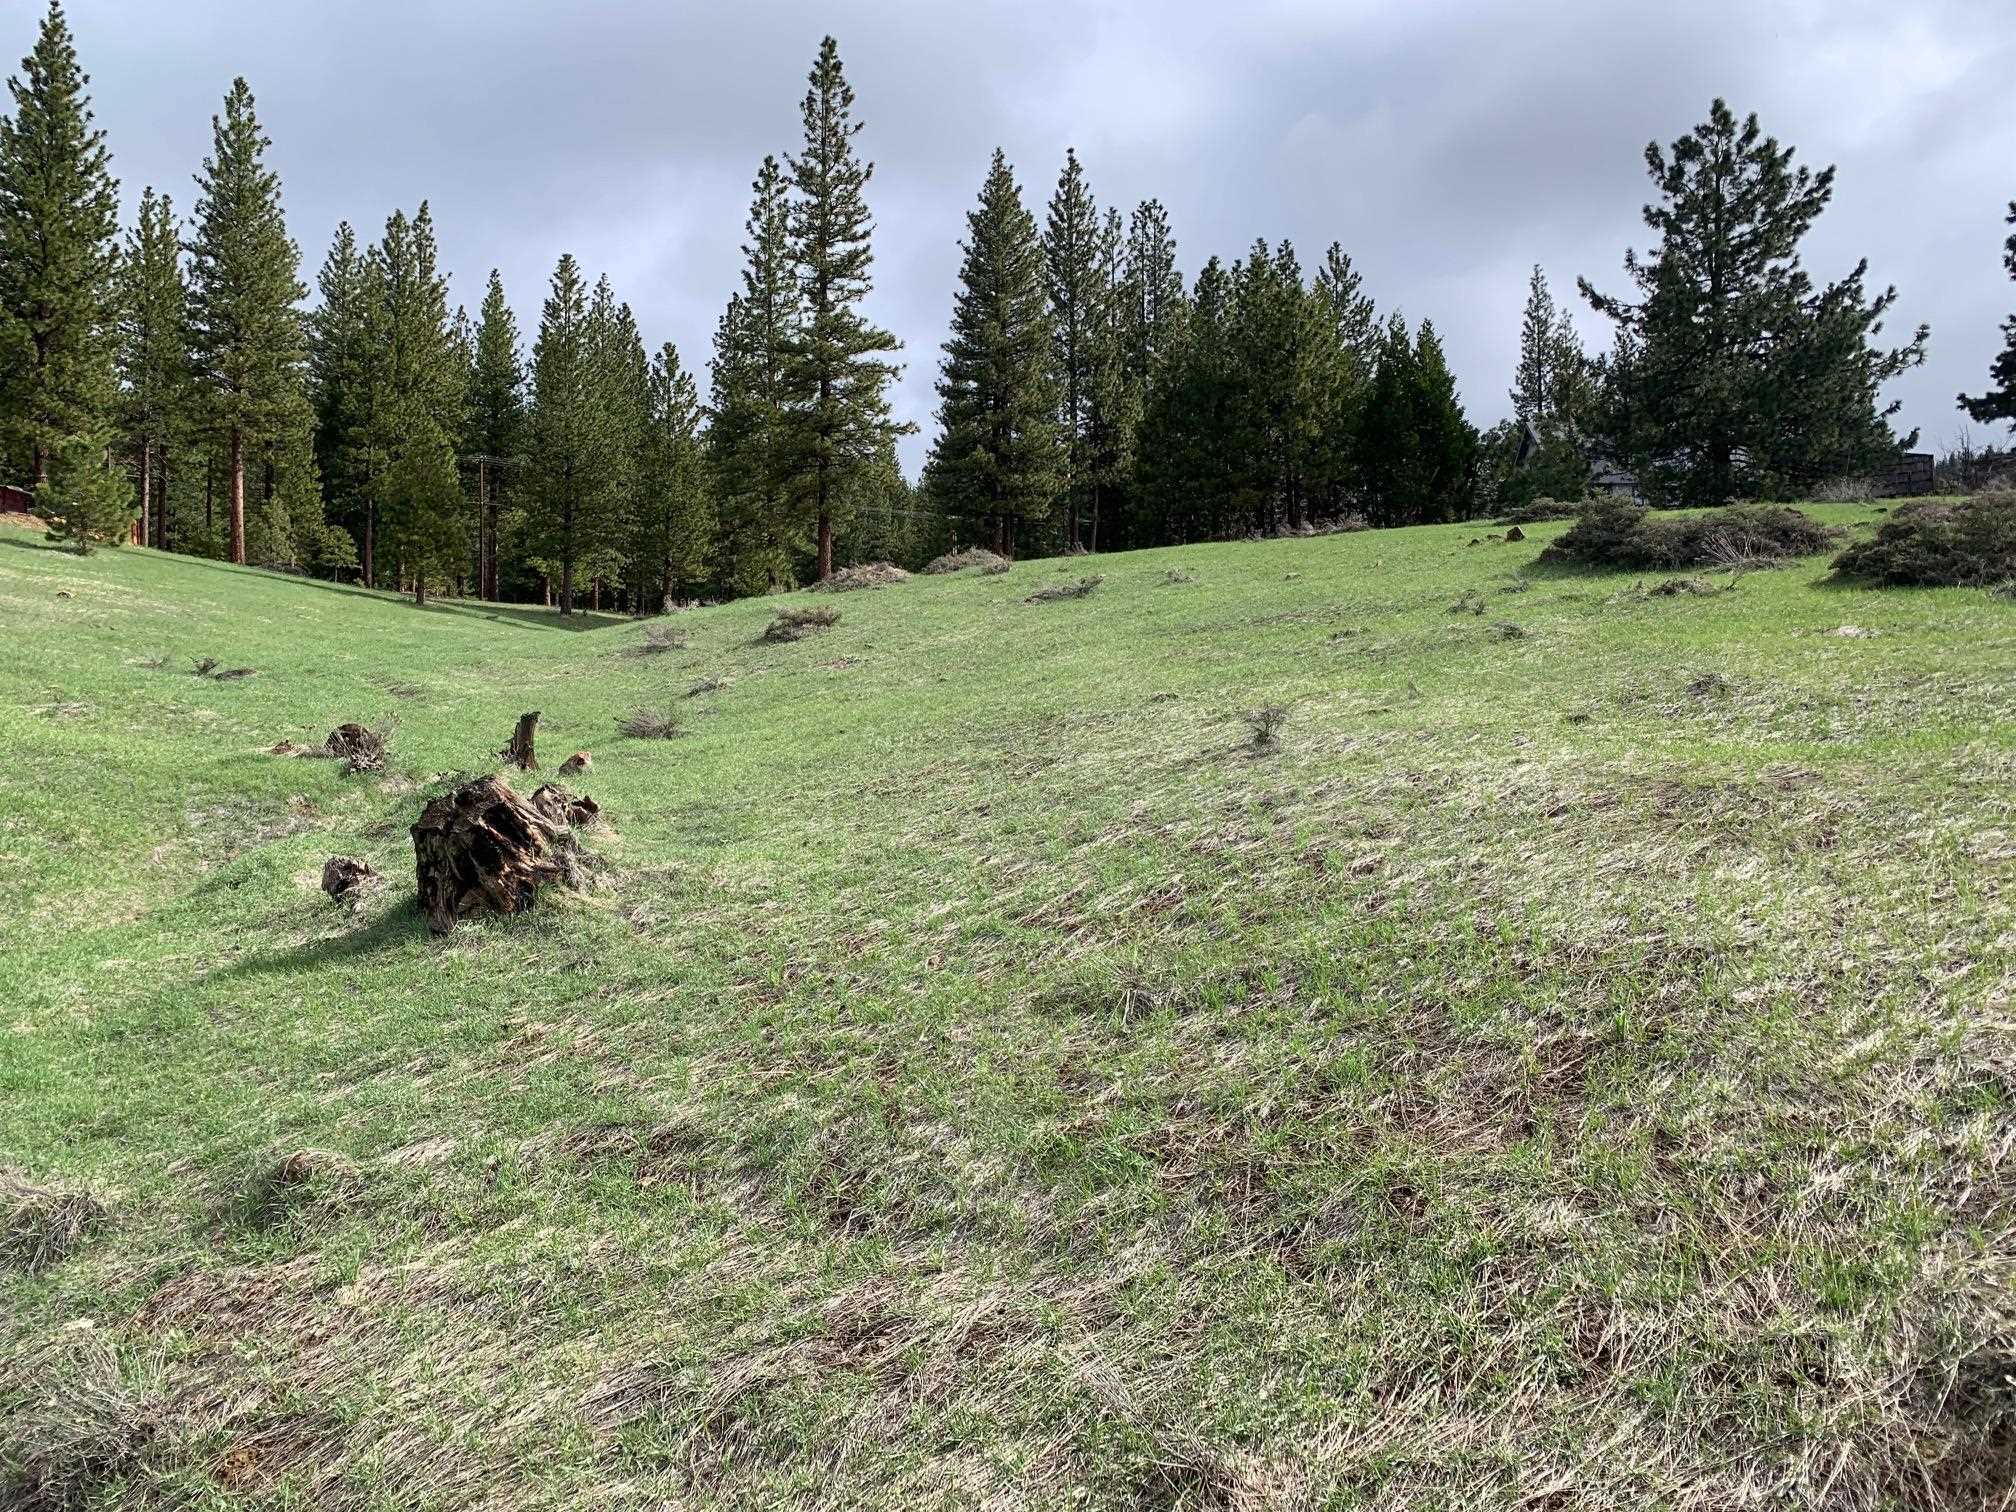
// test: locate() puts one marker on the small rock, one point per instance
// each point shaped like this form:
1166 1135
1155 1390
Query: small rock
1515 534
576 764
343 876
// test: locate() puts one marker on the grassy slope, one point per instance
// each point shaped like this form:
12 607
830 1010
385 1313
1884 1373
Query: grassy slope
1558 1077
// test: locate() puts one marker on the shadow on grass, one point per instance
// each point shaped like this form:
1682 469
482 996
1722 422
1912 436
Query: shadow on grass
398 926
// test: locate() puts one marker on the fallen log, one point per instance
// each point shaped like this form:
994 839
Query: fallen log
484 849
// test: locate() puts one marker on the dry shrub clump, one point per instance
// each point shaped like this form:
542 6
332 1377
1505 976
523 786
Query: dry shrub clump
865 575
1619 533
44 1224
1265 724
80 1423
661 638
1080 589
1962 543
649 724
967 556
796 624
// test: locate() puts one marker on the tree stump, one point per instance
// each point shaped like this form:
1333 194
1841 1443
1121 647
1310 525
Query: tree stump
344 875
359 749
484 849
519 751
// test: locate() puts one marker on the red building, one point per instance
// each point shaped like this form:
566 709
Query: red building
15 500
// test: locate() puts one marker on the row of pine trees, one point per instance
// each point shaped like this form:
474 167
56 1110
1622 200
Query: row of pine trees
177 386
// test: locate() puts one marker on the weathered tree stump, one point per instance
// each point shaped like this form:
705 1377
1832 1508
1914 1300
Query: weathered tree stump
344 875
484 849
576 764
519 751
563 807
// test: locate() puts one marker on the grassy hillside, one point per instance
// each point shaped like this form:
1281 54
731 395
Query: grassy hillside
1574 1071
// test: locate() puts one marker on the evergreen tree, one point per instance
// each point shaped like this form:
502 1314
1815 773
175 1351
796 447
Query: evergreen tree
1154 291
495 438
343 358
1347 340
566 431
1078 293
1743 377
1551 397
836 381
1113 399
1416 452
1999 403
417 414
998 452
673 527
247 331
58 224
1190 458
746 406
619 378
153 354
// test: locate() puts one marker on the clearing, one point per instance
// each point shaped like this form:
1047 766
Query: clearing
1571 1067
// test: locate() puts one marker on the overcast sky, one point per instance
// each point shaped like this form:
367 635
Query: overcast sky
1448 144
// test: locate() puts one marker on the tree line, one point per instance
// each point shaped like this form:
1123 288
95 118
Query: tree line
175 387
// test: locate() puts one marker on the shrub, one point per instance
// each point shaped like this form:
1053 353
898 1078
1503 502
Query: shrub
1619 533
1541 510
649 724
1964 543
1080 589
1266 724
996 567
660 638
796 624
966 556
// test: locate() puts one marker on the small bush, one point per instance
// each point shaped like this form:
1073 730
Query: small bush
1177 575
1964 543
707 685
1265 725
649 724
1080 589
661 638
996 567
1470 601
967 556
1506 630
203 666
1619 533
796 624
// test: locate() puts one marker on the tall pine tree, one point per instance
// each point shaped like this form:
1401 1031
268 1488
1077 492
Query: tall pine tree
567 435
417 414
836 379
998 452
1743 377
245 290
495 436
58 249
343 360
1999 403
153 355
1076 285
673 526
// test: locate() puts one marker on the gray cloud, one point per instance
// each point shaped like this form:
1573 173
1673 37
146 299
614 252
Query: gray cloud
1448 144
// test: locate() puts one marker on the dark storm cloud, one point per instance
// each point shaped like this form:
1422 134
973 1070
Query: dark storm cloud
1447 145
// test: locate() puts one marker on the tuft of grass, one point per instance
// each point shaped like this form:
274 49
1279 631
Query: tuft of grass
1505 630
41 1226
1177 575
702 685
658 639
204 666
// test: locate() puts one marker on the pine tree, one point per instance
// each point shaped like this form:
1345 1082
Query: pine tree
417 410
495 436
998 452
1348 346
836 381
1416 451
1551 398
343 355
619 378
1190 454
566 431
247 331
1154 291
58 224
1744 378
1113 399
745 435
1999 403
1078 294
153 354
673 527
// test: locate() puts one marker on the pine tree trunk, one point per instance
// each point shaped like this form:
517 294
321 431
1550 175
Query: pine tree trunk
238 497
825 545
370 544
420 590
486 541
161 513
142 527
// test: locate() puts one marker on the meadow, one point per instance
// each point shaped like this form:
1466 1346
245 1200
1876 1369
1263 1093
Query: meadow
1569 1066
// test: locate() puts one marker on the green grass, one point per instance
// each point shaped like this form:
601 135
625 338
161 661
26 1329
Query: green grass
1572 1069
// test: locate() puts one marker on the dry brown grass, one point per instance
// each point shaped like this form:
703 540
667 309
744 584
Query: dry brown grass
44 1224
798 623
